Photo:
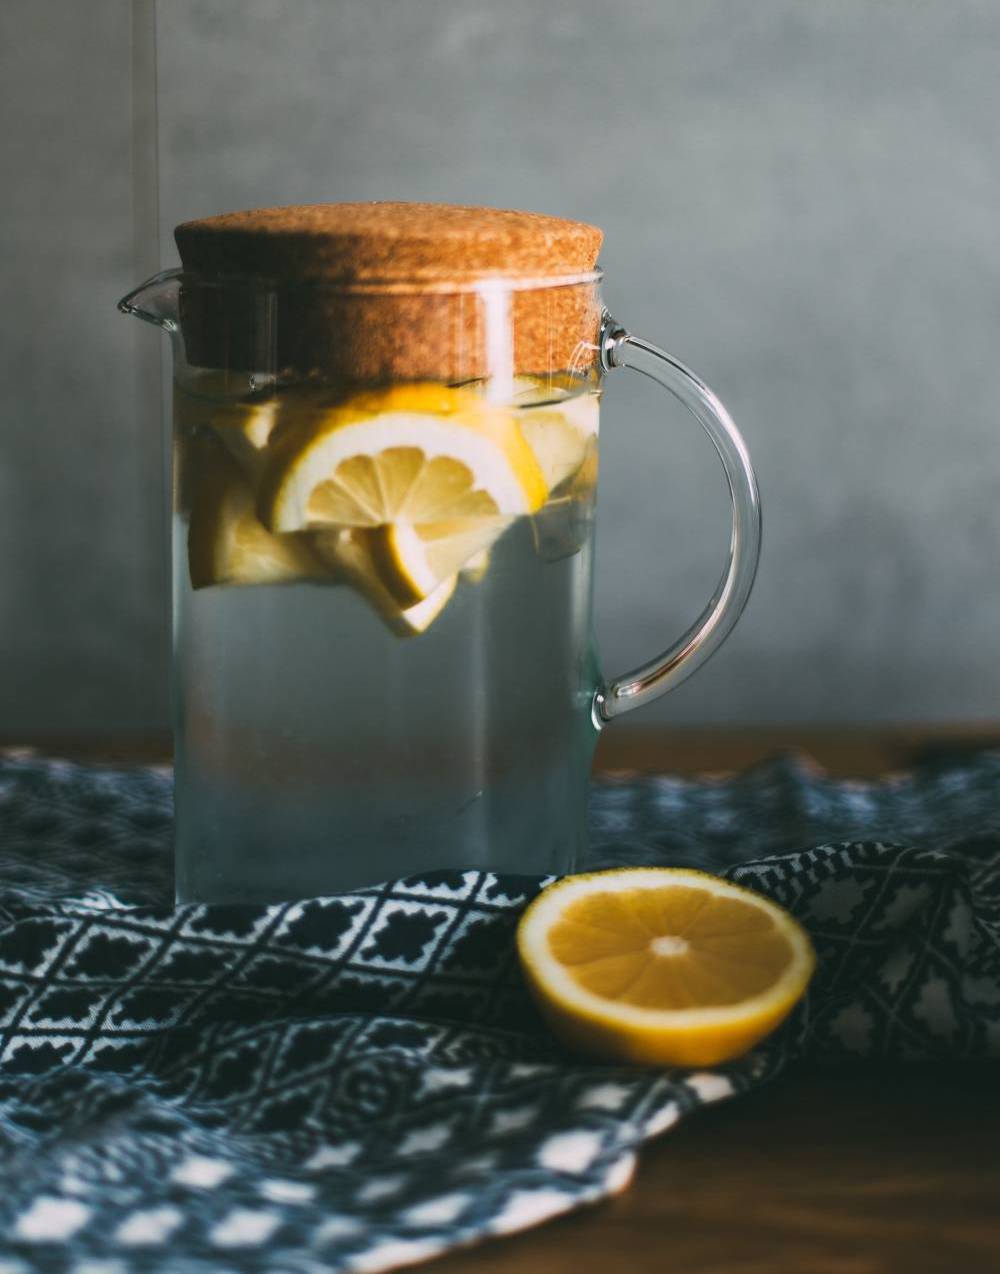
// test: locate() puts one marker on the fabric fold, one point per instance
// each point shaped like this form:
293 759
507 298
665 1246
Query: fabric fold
359 1082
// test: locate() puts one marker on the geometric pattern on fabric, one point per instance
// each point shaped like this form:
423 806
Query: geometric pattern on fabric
359 1082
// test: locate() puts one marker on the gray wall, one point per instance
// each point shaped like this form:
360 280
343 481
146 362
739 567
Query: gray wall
800 200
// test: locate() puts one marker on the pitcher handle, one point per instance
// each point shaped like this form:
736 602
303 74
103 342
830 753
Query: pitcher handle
644 684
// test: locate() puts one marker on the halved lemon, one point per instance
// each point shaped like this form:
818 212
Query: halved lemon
662 966
412 453
226 542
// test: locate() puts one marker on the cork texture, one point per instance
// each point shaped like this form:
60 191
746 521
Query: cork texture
388 291
353 242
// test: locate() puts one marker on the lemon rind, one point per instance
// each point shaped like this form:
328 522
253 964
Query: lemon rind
517 484
556 984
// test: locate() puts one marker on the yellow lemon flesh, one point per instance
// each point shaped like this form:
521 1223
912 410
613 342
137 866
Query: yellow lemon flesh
246 426
243 424
350 555
413 453
415 560
434 472
556 420
245 429
476 567
560 435
400 491
226 542
662 966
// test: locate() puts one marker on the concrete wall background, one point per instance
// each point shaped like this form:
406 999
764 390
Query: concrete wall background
800 201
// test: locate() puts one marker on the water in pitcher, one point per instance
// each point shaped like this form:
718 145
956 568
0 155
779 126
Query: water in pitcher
383 632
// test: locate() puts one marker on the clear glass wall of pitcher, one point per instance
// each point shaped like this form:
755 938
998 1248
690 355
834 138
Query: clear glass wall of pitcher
384 661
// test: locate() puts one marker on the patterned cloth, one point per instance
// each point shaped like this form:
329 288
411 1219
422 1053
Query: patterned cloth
359 1082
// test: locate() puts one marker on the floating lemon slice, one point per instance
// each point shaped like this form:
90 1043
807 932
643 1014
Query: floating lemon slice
476 567
415 619
414 453
557 417
558 437
211 401
414 560
662 966
226 542
351 555
245 425
245 429
561 527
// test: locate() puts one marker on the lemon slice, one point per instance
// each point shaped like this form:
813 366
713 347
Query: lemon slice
221 402
476 567
351 554
662 966
558 445
412 453
556 419
412 620
561 527
226 542
245 428
245 425
414 560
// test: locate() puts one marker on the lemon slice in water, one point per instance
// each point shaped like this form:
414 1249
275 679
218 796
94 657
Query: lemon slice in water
557 416
414 560
245 429
559 436
226 542
412 453
352 555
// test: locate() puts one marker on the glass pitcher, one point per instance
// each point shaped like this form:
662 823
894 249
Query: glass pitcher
384 486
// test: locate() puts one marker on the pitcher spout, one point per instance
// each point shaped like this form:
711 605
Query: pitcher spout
155 301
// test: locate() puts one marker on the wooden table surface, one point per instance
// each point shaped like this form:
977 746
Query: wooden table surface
859 751
868 1170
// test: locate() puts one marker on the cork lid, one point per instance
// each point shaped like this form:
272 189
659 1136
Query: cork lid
358 242
389 291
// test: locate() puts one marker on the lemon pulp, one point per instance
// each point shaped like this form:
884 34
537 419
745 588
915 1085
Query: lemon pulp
666 966
400 493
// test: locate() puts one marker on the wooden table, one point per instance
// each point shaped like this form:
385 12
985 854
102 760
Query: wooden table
872 1171
868 1170
861 752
